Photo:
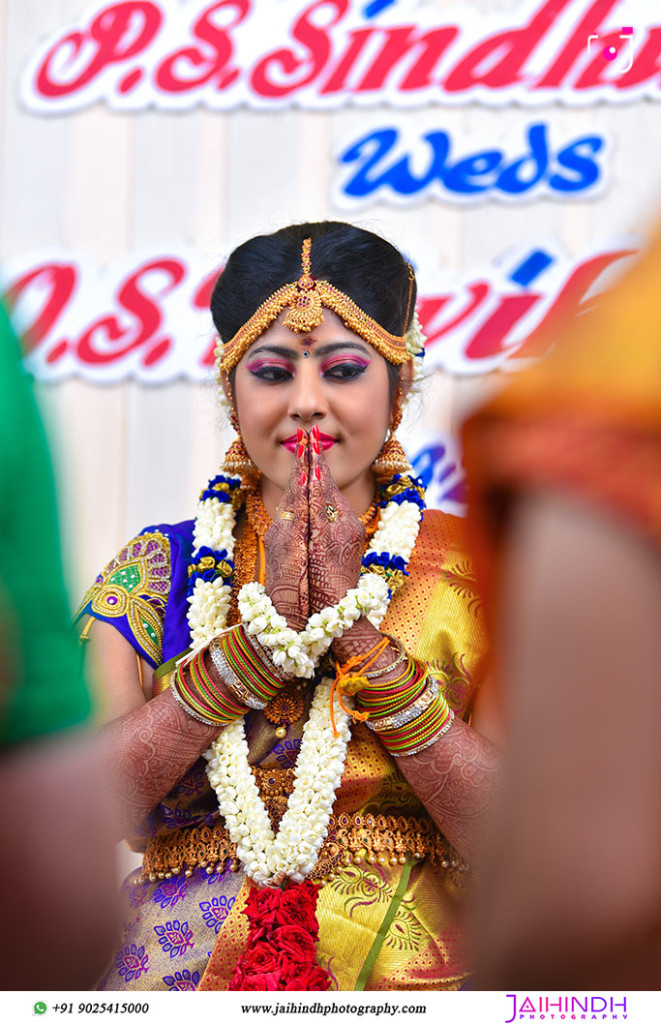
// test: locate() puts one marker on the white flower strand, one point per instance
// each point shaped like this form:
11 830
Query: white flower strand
214 525
207 614
299 653
397 530
415 343
210 601
262 621
269 859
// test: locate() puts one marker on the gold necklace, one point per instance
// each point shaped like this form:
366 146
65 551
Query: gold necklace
261 520
370 518
285 708
256 512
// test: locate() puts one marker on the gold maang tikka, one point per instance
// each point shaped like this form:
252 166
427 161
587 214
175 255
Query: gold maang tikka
305 311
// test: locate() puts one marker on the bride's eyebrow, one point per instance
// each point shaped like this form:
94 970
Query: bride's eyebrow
278 350
317 350
335 346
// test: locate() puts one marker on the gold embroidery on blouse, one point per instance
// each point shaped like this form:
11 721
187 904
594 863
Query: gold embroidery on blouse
136 584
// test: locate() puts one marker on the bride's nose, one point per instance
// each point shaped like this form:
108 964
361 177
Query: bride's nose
308 403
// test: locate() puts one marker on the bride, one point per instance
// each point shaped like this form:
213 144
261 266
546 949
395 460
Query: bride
292 675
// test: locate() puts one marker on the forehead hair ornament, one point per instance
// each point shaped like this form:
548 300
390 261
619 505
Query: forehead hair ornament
305 299
305 312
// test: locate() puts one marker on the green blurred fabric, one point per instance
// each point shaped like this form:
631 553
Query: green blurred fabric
42 689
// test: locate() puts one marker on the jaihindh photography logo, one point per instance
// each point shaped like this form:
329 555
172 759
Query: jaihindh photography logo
570 1007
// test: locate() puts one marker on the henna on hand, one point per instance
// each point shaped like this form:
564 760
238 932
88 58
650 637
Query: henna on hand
148 750
360 638
286 546
457 780
336 544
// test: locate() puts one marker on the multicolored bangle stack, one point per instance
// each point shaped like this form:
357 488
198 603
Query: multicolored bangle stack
245 668
407 712
384 698
195 691
405 738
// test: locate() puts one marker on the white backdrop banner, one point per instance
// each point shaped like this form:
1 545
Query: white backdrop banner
324 54
147 316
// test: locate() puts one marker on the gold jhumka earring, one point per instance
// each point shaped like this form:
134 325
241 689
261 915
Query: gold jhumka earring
237 459
392 457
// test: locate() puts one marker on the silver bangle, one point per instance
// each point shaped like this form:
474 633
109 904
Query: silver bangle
408 714
231 680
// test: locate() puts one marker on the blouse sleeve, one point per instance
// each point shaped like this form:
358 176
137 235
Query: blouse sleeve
131 594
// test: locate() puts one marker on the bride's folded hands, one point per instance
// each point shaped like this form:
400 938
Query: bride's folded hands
336 535
314 549
286 545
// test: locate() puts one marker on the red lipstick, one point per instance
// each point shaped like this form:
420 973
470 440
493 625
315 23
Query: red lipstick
326 441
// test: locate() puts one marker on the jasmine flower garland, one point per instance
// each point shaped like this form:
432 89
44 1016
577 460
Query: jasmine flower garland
298 653
213 537
291 854
267 858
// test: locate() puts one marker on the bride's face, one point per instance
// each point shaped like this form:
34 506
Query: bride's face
331 378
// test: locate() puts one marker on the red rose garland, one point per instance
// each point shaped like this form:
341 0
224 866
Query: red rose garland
280 952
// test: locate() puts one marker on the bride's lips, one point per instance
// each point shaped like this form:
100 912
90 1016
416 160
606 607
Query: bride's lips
325 440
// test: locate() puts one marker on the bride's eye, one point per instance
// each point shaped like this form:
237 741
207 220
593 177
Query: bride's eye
271 373
344 369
